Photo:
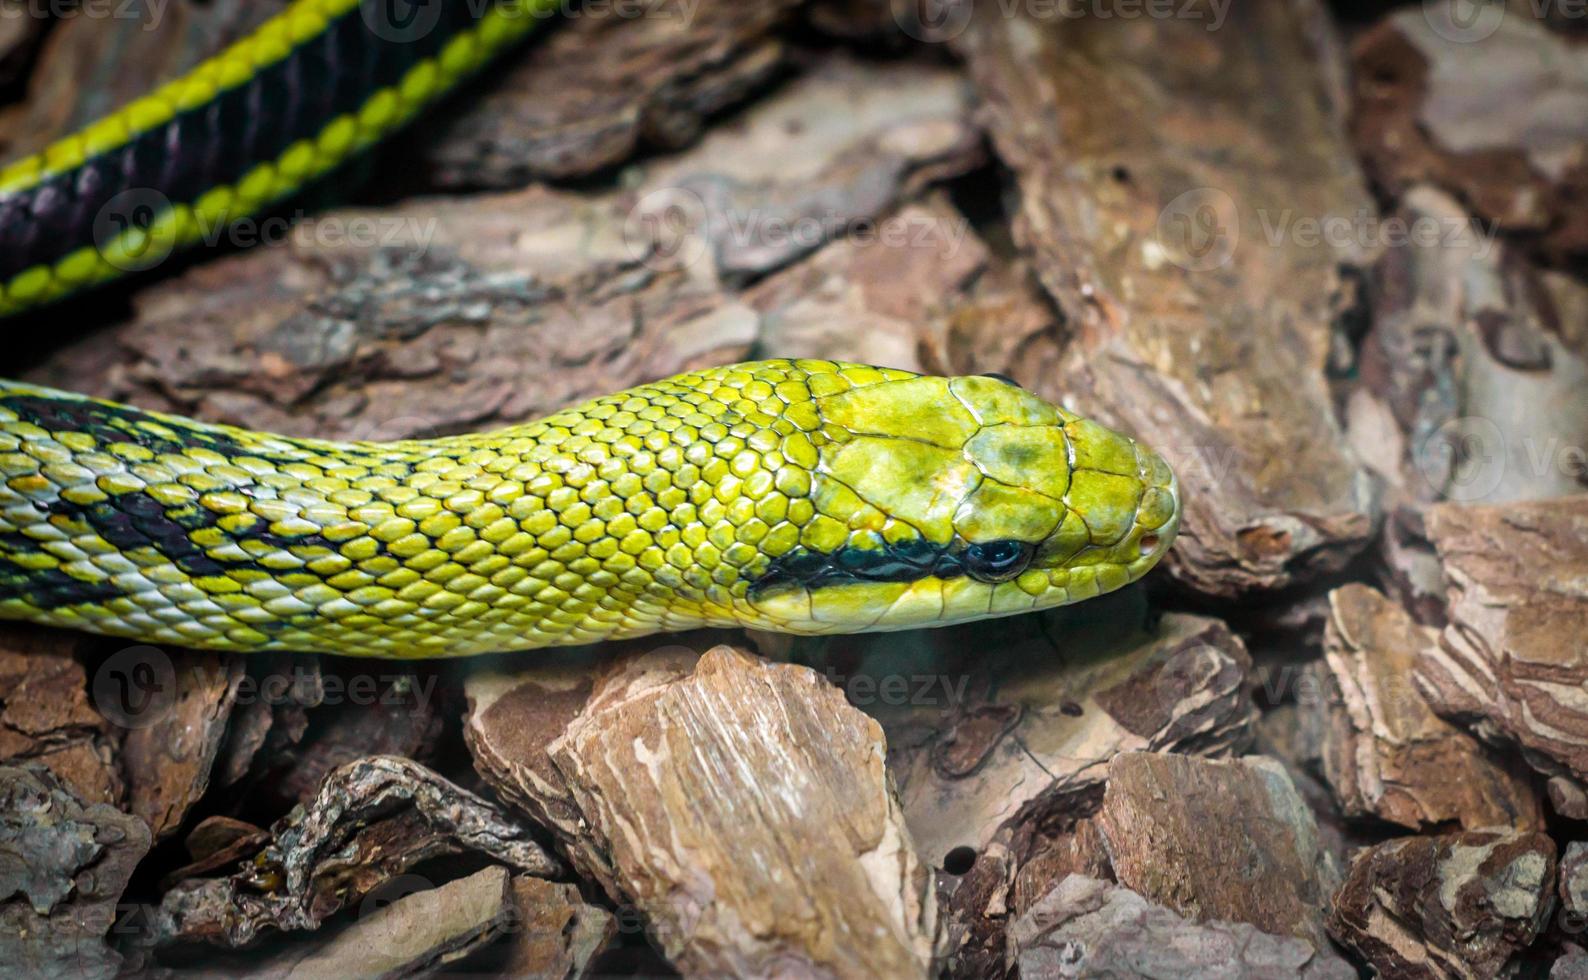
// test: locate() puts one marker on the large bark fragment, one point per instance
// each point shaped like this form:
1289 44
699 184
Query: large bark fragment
46 714
1471 390
825 157
175 731
372 820
1175 187
1089 928
611 79
1385 753
898 280
1456 906
740 805
1000 722
424 932
63 867
1512 662
1228 840
1490 106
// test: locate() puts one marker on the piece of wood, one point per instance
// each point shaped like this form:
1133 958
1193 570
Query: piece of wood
1217 840
1168 175
604 82
1454 906
47 714
177 724
1089 928
63 867
1491 107
741 806
969 761
1385 752
371 821
1511 664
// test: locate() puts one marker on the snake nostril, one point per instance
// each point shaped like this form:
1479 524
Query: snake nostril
1149 544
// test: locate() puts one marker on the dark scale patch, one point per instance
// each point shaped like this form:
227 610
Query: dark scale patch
44 588
134 520
905 561
110 424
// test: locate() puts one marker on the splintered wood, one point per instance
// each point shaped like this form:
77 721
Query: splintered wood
741 805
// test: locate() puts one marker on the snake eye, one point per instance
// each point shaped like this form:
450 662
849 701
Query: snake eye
997 561
1006 379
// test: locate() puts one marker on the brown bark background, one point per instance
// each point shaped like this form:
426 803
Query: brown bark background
1331 259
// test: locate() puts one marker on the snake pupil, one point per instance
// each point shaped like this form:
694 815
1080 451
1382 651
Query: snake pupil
997 561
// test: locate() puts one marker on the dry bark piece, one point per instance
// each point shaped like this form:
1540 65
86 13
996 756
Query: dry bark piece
63 867
1492 108
741 806
46 715
1511 664
1017 719
174 738
1227 840
1457 905
604 83
1469 389
1089 928
216 844
372 820
825 157
1384 751
1574 887
1162 168
897 280
423 932
554 933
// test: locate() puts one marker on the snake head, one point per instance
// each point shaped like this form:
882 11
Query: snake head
940 500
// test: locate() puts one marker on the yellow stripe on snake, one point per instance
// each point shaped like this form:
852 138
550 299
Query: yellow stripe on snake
796 496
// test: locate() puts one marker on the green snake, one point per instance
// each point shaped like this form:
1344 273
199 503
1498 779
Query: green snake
797 496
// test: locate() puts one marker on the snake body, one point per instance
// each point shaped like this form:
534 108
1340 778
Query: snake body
797 496
311 88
